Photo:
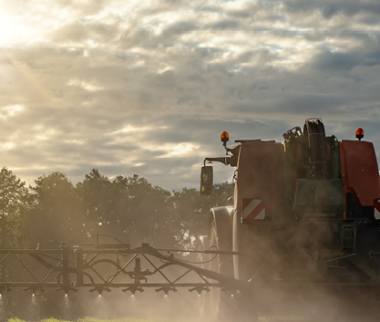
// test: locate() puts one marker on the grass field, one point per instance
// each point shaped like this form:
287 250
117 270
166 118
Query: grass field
90 319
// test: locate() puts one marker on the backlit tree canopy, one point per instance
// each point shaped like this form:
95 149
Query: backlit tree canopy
126 209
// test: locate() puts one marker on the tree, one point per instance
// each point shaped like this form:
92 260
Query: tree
54 211
150 212
96 199
13 201
130 209
13 204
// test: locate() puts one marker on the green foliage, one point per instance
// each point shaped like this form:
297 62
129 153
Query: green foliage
125 319
95 194
53 320
128 208
92 319
16 319
53 213
13 196
150 212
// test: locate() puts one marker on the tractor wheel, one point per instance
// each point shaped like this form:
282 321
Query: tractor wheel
219 238
222 305
221 264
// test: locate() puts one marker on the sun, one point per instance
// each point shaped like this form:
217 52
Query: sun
9 29
14 29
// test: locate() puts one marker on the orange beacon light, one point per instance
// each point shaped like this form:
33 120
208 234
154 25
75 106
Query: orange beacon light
359 133
224 137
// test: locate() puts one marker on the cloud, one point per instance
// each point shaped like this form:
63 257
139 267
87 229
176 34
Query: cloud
329 8
146 87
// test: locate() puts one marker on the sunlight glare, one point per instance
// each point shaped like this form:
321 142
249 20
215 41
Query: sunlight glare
13 30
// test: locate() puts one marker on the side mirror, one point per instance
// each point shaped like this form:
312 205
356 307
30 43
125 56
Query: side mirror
206 180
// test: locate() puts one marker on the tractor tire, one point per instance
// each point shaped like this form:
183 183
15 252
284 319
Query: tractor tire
222 305
219 238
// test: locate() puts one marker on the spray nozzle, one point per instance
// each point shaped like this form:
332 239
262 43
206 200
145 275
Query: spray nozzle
67 289
166 289
100 290
34 289
199 289
134 289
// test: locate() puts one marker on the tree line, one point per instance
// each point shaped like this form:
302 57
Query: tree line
130 209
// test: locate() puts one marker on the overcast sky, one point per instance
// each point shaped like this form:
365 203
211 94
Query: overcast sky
146 87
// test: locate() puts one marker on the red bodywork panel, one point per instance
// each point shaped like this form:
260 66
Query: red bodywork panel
360 174
260 173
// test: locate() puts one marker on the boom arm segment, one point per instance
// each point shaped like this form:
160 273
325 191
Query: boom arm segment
102 269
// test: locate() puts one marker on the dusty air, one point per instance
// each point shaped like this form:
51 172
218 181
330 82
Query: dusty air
294 238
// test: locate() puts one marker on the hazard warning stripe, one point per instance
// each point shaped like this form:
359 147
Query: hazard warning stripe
253 209
376 208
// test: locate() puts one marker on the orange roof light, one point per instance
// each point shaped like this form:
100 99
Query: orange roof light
359 133
224 137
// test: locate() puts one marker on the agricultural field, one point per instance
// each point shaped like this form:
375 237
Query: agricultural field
91 319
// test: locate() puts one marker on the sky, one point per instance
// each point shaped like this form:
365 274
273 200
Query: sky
146 87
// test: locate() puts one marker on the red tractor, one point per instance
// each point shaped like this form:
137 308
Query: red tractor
303 228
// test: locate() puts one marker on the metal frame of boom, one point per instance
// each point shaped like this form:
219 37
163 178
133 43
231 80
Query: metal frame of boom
69 268
77 267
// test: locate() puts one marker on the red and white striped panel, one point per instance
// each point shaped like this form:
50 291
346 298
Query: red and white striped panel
376 208
253 209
